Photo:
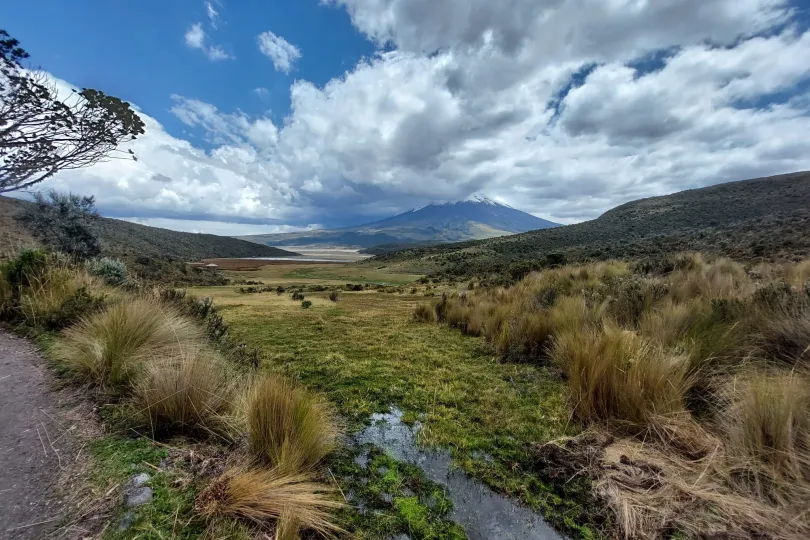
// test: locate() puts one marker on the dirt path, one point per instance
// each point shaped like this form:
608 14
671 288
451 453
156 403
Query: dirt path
38 431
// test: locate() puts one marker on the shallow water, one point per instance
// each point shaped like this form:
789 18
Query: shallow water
482 513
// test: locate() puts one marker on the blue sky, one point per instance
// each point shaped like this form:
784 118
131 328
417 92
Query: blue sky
278 115
137 51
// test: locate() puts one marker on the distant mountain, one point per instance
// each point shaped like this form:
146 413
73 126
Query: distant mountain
436 223
764 219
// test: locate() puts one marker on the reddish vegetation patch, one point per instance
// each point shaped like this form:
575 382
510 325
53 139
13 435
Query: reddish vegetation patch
254 264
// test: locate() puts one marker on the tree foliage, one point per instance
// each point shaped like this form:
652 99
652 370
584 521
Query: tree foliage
66 222
42 134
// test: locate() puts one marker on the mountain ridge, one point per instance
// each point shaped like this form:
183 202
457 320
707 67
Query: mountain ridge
760 219
434 223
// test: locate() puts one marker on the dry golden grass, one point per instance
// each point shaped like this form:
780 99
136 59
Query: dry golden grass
669 322
192 391
266 496
289 427
46 293
798 274
425 313
616 376
722 279
786 338
767 423
109 348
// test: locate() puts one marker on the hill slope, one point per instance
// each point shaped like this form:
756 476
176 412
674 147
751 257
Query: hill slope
764 218
144 248
450 222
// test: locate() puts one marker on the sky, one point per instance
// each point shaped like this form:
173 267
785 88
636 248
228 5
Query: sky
278 115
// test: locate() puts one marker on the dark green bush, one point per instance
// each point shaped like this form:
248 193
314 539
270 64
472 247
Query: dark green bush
306 304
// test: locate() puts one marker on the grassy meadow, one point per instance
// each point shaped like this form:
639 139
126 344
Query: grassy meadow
288 274
660 399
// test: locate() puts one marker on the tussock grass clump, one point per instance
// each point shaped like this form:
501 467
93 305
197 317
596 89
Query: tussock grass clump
767 423
670 322
58 296
289 427
190 392
262 496
109 348
787 339
723 279
797 275
617 376
425 313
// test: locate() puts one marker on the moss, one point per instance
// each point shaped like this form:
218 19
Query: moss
170 513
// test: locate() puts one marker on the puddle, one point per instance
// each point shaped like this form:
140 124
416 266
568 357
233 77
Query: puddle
482 513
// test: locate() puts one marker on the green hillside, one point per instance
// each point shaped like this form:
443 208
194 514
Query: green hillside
149 251
751 220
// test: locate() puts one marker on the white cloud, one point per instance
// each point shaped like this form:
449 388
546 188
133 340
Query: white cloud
560 108
213 14
196 38
222 228
262 92
280 51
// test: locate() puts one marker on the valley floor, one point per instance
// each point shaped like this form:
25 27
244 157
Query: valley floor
367 355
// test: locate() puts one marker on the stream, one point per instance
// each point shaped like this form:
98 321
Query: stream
482 513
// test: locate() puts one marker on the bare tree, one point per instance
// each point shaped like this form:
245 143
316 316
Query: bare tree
41 134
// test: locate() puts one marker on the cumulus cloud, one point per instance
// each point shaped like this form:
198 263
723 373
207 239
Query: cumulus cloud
563 108
283 53
196 38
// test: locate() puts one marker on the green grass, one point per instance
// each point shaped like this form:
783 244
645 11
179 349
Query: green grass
170 514
366 354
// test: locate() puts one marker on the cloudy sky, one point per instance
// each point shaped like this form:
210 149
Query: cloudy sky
272 116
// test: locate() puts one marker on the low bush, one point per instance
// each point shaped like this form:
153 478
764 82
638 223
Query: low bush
25 267
306 304
109 348
297 295
289 427
267 496
113 271
334 296
191 391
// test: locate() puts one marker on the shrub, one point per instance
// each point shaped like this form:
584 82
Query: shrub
425 313
334 296
27 265
297 295
306 304
261 495
6 294
66 222
280 290
113 271
289 427
617 376
109 348
190 391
